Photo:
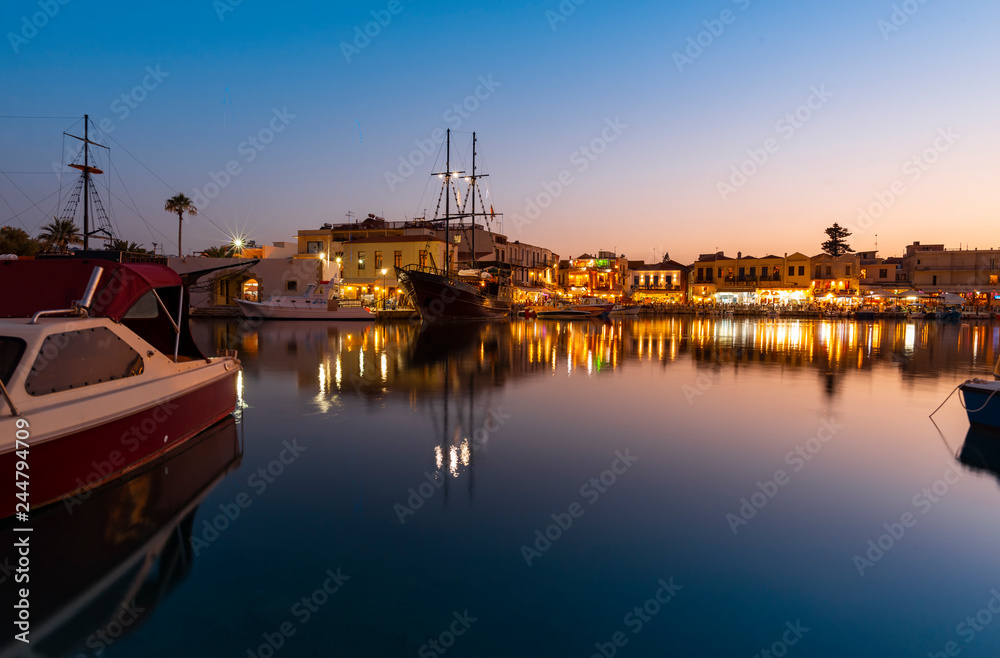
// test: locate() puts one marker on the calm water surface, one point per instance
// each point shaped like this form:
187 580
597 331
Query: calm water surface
530 489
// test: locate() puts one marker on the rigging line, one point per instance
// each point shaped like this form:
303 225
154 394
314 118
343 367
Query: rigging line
134 208
2 197
111 208
424 194
26 172
32 208
168 186
29 201
12 116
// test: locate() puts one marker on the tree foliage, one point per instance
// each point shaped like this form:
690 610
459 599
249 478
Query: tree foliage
17 241
837 244
180 204
60 234
124 245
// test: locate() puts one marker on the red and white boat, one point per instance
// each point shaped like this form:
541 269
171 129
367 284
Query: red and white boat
98 375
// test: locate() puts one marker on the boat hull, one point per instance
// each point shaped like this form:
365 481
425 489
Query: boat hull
440 297
982 403
272 312
64 466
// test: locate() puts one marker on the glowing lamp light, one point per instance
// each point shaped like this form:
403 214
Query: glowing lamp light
384 271
322 255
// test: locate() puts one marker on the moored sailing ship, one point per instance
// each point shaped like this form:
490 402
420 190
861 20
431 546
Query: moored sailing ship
472 293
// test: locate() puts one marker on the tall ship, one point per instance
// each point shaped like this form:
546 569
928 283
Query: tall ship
472 293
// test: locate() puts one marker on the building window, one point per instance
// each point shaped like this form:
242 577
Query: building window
656 280
934 282
314 247
378 260
361 260
847 270
668 280
829 270
292 285
993 279
791 270
753 271
423 258
883 274
819 271
701 273
635 281
742 272
802 270
397 258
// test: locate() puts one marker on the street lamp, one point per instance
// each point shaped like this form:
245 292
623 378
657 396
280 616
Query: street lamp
385 293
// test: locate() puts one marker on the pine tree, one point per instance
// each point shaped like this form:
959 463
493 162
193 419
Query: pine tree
837 244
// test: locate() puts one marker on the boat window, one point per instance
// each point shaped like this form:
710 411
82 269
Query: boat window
75 359
11 350
147 307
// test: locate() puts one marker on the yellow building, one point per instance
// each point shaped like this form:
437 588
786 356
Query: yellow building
368 264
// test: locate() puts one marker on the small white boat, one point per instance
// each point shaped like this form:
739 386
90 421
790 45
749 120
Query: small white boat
620 309
318 302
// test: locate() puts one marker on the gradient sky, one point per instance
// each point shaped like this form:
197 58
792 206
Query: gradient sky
230 66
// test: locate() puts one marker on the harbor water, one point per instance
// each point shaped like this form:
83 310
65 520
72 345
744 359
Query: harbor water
641 487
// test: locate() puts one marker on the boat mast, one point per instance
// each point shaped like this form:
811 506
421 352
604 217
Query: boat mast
86 182
472 260
447 205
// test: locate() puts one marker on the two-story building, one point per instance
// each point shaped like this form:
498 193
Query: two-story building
657 283
972 273
836 278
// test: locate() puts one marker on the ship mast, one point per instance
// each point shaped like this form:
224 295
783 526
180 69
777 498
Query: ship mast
447 206
472 260
87 171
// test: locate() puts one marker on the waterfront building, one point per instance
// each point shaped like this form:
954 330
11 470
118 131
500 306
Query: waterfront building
836 278
600 276
658 283
972 273
769 279
368 263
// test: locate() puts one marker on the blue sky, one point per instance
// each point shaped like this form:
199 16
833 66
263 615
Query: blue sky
558 76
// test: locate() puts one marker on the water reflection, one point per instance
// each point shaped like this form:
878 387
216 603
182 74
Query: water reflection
336 359
103 563
981 450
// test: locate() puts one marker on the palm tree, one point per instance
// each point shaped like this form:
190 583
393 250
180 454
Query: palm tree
61 233
180 204
225 251
124 245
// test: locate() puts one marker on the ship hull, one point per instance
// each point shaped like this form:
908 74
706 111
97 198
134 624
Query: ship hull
440 297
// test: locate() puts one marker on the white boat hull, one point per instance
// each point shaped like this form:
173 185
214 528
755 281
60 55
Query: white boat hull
288 311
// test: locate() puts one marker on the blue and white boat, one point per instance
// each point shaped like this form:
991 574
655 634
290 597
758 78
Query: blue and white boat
981 399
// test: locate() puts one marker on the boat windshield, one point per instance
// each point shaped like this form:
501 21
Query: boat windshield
11 350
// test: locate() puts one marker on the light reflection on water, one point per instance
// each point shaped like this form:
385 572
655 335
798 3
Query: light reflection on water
480 433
